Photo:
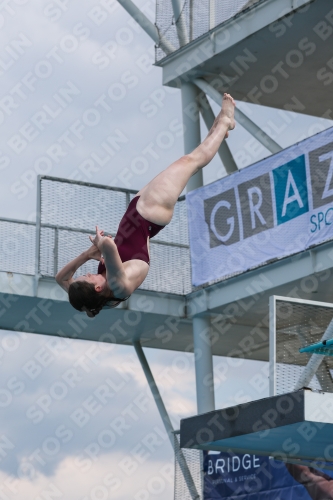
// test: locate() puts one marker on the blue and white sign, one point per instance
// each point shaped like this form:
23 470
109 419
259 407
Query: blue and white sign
253 477
275 208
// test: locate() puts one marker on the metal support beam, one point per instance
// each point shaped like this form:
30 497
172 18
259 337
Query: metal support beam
224 151
314 362
191 20
166 421
179 13
204 374
272 346
147 25
211 14
191 122
155 392
56 251
241 118
323 371
325 377
203 364
38 235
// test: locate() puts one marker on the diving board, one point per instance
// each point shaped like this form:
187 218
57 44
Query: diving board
325 348
297 426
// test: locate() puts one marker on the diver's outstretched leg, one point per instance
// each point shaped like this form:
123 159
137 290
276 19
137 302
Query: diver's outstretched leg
159 196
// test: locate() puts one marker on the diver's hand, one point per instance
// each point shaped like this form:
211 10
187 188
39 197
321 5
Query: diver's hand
93 253
99 238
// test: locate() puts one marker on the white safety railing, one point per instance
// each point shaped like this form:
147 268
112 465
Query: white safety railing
67 213
17 246
179 22
296 323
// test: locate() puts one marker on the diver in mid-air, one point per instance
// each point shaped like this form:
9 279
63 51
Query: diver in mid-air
124 260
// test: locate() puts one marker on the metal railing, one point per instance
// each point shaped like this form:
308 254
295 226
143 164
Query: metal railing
191 475
181 21
17 246
67 213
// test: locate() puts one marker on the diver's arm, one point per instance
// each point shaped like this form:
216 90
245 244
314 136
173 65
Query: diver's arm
116 276
65 276
115 273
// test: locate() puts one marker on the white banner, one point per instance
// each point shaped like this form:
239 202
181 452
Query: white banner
277 207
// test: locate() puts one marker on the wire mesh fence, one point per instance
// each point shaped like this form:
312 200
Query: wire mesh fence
17 247
69 212
298 325
194 463
196 18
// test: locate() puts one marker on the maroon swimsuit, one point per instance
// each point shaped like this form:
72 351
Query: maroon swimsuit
132 234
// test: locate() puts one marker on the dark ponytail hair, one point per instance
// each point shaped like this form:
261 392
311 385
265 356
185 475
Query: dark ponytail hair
83 297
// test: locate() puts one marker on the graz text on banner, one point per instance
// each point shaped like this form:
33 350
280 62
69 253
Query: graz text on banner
277 207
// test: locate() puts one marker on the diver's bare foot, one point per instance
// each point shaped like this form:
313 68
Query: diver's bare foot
228 111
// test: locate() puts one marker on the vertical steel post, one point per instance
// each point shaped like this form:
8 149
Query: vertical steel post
191 122
55 251
211 14
180 20
272 345
38 234
204 373
202 345
191 8
201 337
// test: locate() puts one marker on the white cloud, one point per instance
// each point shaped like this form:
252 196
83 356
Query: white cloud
104 480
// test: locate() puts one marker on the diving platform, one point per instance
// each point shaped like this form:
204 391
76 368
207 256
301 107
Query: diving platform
293 427
161 313
236 309
263 54
147 317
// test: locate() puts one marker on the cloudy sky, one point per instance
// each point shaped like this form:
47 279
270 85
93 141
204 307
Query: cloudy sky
70 80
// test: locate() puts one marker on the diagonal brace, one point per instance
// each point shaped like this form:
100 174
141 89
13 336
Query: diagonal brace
147 25
314 362
166 421
246 122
